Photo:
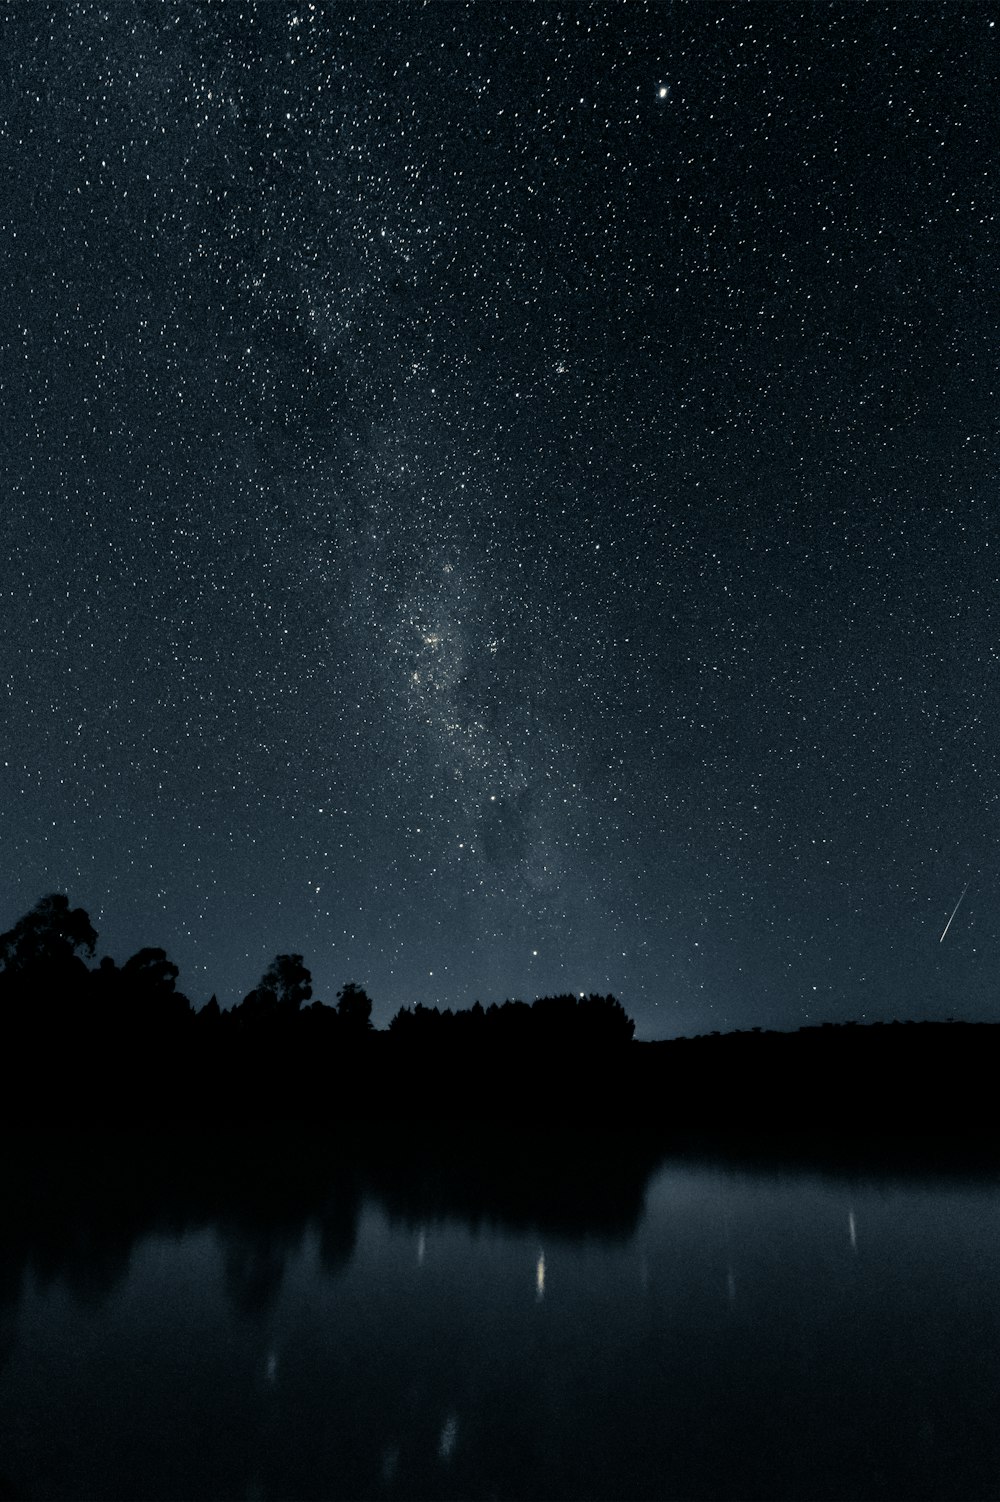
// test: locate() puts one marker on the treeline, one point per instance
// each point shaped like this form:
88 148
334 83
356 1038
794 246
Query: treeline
111 1043
597 1021
121 1041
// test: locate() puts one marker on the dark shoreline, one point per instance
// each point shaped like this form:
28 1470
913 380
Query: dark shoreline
921 1082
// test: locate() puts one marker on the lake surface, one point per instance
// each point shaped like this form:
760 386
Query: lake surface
712 1332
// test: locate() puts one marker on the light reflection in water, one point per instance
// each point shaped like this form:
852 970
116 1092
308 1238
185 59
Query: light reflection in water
449 1434
555 1400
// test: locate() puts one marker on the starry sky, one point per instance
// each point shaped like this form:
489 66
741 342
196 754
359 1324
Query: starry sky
502 498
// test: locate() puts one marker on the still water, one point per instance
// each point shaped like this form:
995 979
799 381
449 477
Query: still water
720 1332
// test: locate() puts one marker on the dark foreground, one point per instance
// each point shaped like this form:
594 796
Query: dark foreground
924 1080
109 1045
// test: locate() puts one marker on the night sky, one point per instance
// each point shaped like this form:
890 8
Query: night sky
502 499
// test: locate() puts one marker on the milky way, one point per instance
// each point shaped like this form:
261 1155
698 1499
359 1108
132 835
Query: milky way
502 499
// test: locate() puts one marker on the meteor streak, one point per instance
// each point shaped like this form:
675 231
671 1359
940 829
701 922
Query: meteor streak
954 910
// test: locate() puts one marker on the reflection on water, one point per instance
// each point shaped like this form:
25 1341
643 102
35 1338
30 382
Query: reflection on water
279 1319
448 1436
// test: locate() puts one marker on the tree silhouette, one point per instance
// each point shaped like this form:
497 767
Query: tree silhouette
281 990
290 980
150 970
354 1009
49 936
148 981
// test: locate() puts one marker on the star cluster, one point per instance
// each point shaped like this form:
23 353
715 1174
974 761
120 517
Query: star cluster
502 499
